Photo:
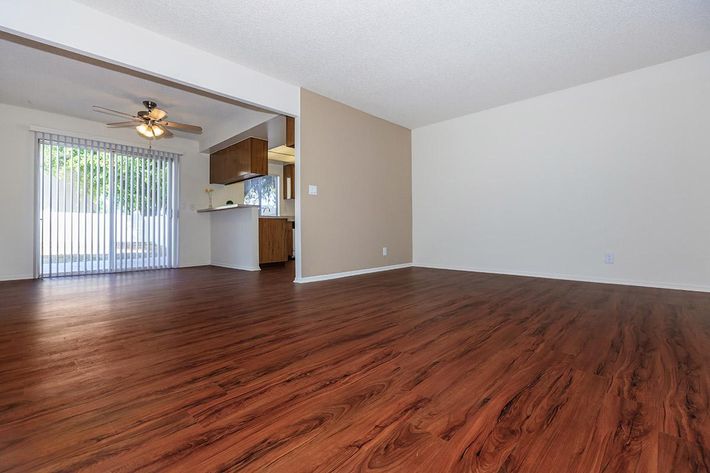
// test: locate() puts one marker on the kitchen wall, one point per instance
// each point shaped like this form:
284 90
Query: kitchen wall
552 186
235 192
221 194
362 167
17 186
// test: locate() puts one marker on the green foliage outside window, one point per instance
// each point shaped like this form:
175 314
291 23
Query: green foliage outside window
139 184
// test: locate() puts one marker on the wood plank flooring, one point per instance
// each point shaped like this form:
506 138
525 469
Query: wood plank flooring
415 370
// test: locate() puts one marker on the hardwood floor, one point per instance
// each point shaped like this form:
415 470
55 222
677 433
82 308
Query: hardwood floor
414 370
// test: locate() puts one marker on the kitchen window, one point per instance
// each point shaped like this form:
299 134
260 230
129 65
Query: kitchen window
264 192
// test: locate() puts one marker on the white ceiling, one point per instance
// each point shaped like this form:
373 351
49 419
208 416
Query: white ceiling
416 62
43 80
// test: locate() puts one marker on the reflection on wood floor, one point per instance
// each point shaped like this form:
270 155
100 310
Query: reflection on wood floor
414 370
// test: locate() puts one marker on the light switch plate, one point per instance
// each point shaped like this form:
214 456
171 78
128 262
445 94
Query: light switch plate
312 189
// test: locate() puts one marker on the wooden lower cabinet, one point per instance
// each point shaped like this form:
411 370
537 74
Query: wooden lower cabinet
274 240
290 240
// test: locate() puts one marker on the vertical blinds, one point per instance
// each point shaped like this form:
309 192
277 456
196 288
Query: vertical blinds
105 207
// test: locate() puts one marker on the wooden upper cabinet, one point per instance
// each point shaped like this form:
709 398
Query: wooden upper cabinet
290 132
239 162
289 181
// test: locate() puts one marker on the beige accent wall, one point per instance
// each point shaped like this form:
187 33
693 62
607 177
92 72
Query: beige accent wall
363 169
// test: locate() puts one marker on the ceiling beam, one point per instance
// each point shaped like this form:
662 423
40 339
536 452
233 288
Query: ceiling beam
79 29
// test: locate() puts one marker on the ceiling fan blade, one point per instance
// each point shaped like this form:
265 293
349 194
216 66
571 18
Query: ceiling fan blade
122 124
182 127
167 133
157 114
108 111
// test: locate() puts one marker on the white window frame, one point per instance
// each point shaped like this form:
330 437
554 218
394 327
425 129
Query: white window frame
278 194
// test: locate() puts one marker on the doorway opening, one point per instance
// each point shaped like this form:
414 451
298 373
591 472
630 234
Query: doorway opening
104 207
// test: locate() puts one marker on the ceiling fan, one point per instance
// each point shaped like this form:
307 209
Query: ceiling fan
150 123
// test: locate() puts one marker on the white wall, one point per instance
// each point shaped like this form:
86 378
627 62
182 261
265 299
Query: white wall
17 186
235 238
548 185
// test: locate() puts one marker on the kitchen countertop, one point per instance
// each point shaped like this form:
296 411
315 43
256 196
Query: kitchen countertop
228 207
290 218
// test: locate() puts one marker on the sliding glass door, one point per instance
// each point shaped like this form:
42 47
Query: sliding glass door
104 207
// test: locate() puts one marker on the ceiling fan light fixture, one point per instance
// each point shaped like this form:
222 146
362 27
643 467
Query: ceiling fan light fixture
150 131
144 130
151 122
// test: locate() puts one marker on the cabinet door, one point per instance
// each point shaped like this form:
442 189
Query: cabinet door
236 161
259 156
241 161
217 175
273 240
290 132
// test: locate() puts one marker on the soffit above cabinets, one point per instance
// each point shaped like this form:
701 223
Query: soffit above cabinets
283 154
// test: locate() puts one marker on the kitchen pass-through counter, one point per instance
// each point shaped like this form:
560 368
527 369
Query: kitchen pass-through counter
241 239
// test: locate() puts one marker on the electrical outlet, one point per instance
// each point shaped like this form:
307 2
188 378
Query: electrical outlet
384 251
608 258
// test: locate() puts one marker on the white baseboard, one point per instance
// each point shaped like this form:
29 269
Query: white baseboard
346 274
570 277
16 277
233 266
